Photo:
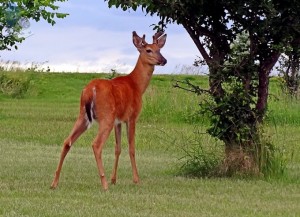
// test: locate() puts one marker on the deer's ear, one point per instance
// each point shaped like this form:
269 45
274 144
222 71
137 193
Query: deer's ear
137 40
161 41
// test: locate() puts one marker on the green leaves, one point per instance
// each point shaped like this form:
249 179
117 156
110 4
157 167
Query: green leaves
15 15
61 15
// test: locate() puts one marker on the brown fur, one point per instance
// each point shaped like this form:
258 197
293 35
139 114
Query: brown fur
111 102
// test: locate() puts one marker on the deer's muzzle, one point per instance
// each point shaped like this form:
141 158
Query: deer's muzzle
162 61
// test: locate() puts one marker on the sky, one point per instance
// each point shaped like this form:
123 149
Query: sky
95 38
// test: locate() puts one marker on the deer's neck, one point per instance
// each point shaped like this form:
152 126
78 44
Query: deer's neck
141 75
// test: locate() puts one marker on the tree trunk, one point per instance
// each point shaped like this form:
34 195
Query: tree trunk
215 82
238 160
263 85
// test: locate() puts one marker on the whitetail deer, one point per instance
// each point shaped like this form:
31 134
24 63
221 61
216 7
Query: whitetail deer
111 102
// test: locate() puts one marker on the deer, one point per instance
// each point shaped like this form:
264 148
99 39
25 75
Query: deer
113 102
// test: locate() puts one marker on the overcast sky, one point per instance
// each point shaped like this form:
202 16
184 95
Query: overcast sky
94 38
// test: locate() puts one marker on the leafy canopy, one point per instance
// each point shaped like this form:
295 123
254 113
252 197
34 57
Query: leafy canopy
16 15
214 24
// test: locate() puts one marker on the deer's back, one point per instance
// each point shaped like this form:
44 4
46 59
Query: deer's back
117 98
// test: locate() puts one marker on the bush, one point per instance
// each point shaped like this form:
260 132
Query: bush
203 158
15 87
272 160
200 159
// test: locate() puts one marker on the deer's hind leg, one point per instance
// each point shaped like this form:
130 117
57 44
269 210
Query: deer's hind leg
80 127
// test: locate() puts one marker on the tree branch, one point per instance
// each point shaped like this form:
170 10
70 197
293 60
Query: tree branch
193 89
199 45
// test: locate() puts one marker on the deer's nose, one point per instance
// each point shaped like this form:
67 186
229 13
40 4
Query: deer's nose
163 62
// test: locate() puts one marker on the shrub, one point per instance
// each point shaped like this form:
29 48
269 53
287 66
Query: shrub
203 158
15 87
272 160
200 159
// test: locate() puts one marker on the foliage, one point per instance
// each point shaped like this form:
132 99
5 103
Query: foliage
112 74
15 66
14 87
272 160
238 76
15 16
289 70
233 116
199 159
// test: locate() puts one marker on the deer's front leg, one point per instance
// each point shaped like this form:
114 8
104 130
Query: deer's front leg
131 141
117 152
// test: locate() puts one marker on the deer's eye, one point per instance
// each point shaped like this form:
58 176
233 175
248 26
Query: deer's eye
149 51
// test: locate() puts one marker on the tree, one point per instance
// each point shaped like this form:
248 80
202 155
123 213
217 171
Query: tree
238 87
289 70
15 16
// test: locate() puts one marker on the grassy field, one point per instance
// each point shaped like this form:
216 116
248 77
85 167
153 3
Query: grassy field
32 130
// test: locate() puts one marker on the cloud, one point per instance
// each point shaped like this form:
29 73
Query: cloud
95 38
82 49
88 66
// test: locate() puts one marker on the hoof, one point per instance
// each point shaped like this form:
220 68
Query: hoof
136 181
53 186
105 188
104 183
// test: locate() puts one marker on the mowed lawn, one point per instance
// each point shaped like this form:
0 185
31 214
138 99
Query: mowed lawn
33 128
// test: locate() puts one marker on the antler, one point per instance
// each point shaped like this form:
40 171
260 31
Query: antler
143 40
156 36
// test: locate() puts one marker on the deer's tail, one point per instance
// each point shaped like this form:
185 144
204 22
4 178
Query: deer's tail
88 110
87 101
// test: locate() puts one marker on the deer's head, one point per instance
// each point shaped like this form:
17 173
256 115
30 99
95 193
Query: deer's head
150 53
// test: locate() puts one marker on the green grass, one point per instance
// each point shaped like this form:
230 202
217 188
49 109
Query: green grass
32 130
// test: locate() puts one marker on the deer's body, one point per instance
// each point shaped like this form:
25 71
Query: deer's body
111 102
118 96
